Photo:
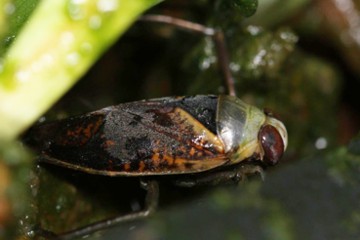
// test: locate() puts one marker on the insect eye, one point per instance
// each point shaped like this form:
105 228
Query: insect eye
272 144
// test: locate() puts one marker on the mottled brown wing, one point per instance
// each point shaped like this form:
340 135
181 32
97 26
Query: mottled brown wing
139 138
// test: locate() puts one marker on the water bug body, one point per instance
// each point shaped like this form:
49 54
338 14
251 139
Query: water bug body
162 136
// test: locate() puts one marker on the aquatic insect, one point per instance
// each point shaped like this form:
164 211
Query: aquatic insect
164 136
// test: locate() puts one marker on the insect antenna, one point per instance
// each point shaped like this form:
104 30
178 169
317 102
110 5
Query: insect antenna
216 35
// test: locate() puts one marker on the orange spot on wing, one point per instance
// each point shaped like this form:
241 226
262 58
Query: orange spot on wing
127 166
141 166
109 143
155 157
192 151
82 133
155 160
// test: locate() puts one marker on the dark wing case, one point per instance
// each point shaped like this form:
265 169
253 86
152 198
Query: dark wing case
160 136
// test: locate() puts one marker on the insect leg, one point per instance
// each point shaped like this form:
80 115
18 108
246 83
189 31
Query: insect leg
228 176
216 35
151 202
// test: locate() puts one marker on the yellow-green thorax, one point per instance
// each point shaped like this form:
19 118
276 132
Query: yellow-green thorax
238 126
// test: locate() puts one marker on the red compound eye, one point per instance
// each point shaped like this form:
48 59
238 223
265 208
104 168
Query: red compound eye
272 144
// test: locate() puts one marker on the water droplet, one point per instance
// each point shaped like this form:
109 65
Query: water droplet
47 59
42 62
9 8
72 58
259 58
66 38
321 143
75 9
86 47
107 5
22 76
206 62
9 39
289 36
31 233
253 30
42 119
234 67
95 22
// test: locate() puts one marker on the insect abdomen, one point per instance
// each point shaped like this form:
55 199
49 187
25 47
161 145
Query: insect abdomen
148 137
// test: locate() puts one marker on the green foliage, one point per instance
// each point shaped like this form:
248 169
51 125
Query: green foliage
60 41
13 18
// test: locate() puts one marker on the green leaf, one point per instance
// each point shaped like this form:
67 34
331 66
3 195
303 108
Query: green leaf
12 19
57 45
